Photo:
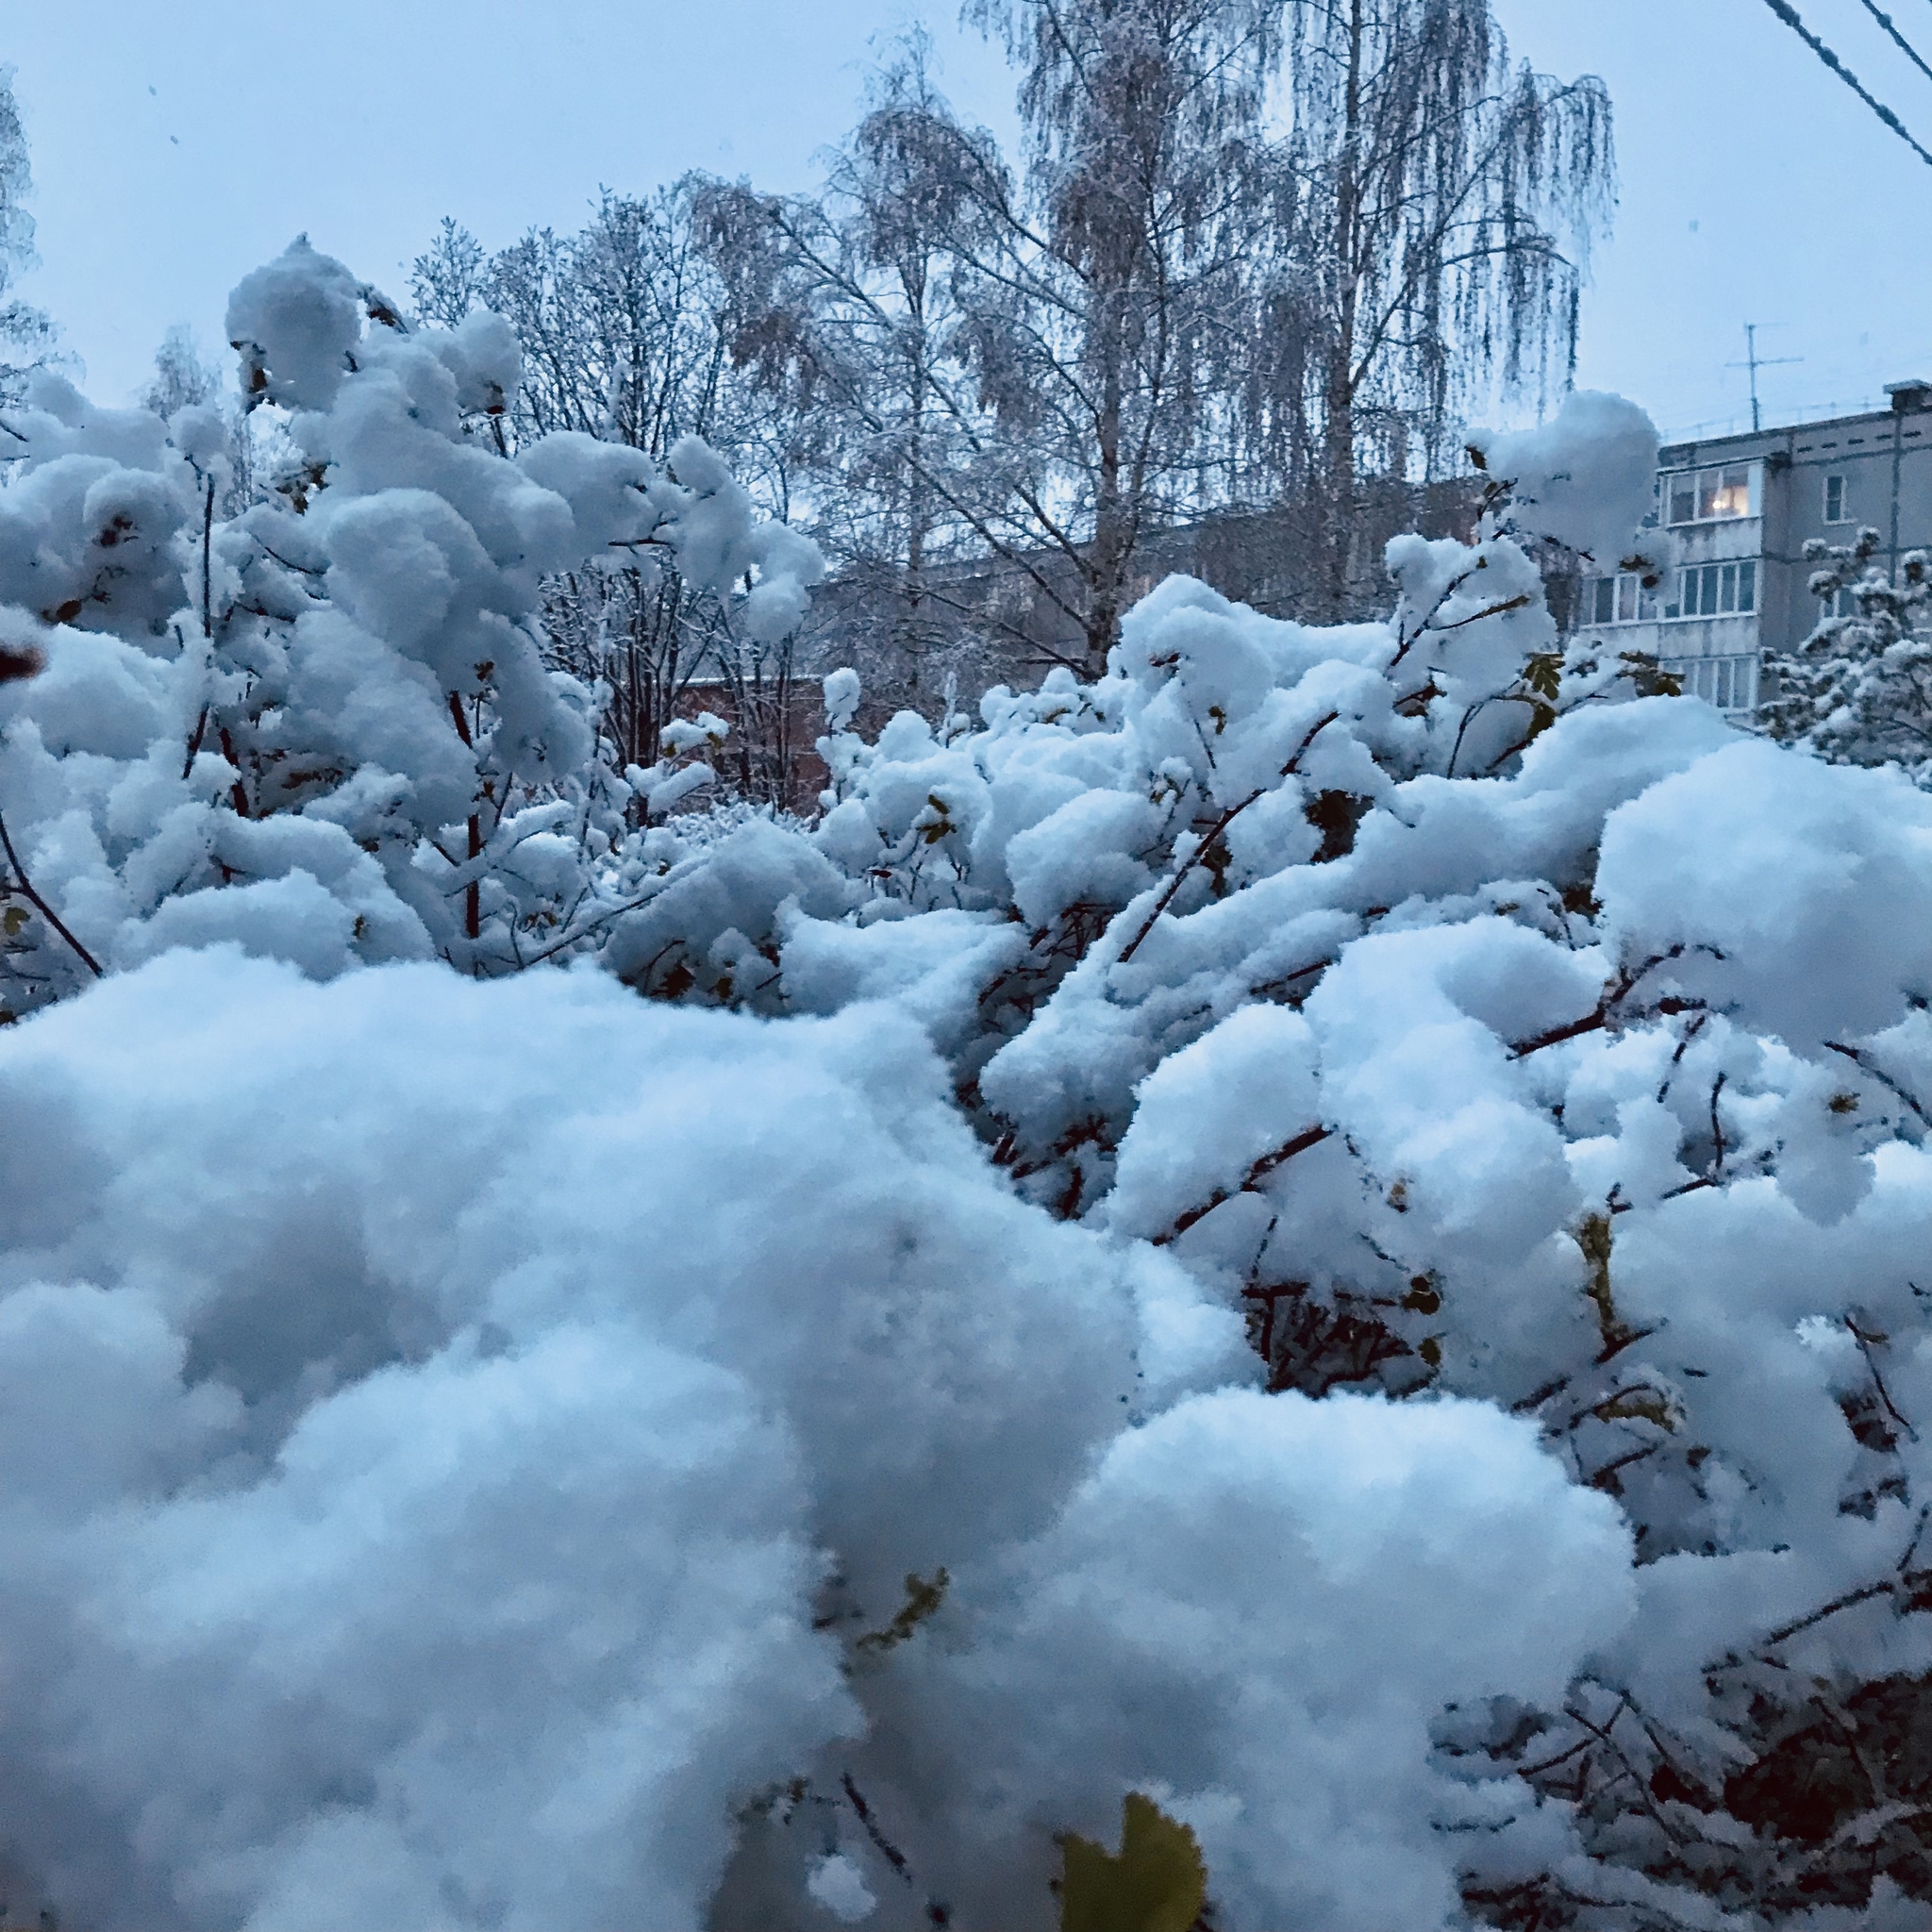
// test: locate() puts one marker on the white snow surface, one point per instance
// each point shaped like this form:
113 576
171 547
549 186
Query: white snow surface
485 1454
435 1414
350 662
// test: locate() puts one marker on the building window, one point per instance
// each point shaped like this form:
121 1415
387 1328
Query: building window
1619 599
1703 496
1716 589
1729 683
1836 511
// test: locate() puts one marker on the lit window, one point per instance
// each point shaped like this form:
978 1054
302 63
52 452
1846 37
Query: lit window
1834 508
1698 496
1724 493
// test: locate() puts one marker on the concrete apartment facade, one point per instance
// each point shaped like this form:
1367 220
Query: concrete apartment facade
1736 512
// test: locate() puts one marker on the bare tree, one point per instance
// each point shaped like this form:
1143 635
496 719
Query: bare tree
448 280
850 322
1169 308
1437 205
1104 286
25 334
1004 393
1026 364
181 378
627 330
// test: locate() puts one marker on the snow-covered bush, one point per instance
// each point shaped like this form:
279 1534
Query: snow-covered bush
1858 689
1329 1228
1483 1029
462 1499
323 726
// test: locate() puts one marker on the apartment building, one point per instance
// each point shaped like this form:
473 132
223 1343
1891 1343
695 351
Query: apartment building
1736 512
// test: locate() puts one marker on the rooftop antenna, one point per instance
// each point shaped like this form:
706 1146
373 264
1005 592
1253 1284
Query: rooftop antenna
1754 363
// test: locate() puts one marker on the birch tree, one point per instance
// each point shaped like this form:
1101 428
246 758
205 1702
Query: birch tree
1439 205
1105 282
854 326
25 333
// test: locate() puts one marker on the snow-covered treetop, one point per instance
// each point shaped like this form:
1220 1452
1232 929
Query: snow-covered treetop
350 742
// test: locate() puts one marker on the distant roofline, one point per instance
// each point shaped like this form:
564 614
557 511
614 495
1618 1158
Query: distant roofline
1877 412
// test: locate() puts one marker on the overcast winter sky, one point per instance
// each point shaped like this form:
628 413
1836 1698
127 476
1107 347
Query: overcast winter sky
176 146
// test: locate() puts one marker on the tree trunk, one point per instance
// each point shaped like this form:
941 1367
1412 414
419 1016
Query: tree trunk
1339 393
1113 522
1338 493
916 515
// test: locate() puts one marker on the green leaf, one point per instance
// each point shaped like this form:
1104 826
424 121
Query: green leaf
1542 717
921 1600
1156 1883
1543 674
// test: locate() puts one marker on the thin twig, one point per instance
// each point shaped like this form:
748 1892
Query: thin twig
1309 1137
1206 844
887 1849
1865 1342
26 889
1884 1079
195 745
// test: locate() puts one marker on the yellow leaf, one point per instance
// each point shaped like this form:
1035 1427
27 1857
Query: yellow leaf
15 920
1156 1883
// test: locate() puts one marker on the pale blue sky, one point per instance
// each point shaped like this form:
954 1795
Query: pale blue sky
176 145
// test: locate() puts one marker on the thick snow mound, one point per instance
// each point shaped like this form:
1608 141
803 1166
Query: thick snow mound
430 1408
1255 1607
462 1442
1814 926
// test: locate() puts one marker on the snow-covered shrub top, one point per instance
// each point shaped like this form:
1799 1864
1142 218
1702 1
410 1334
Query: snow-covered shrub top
462 1544
323 726
1433 1092
1481 1027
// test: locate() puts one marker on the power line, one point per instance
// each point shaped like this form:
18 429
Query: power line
1789 14
1910 52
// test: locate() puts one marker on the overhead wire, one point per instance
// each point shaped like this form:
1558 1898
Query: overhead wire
1789 14
1905 46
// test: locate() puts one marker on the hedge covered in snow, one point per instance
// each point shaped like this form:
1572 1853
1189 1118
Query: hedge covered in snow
1329 1229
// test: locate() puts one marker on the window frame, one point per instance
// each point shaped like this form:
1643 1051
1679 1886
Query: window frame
1706 484
1614 599
1735 578
1728 680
